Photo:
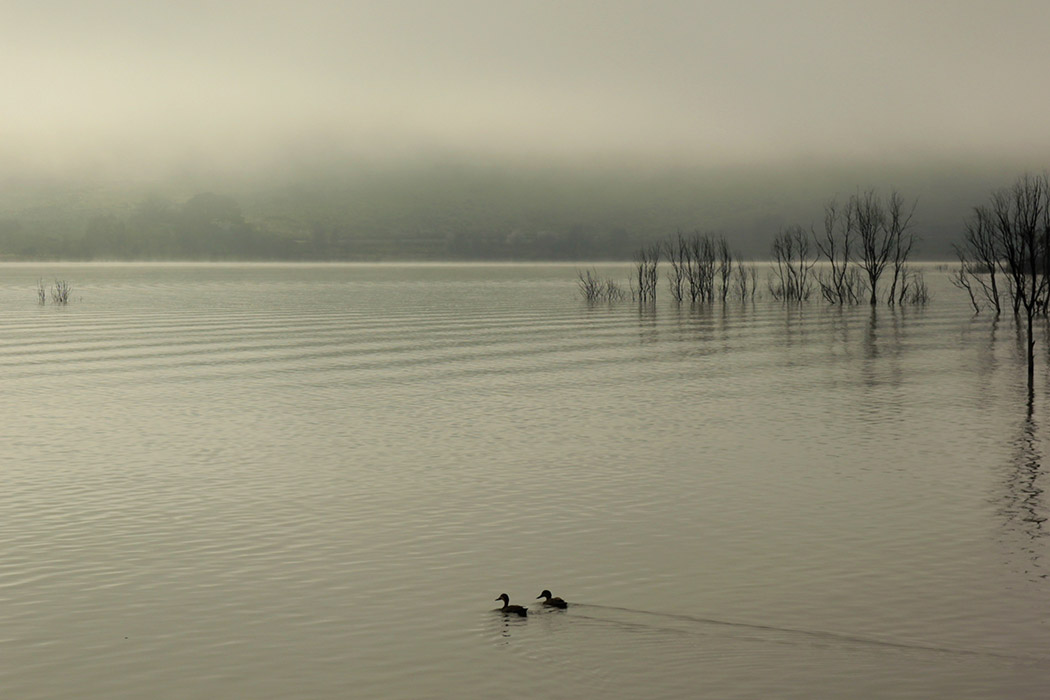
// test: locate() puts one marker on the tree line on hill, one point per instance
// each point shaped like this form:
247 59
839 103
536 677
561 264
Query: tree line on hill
209 226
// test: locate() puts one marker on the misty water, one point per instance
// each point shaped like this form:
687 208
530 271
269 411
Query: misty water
266 481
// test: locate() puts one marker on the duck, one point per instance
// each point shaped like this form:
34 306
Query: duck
551 601
509 609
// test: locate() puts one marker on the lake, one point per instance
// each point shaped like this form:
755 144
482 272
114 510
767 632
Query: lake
312 481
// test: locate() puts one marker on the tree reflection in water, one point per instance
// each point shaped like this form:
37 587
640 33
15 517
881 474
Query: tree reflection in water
1025 511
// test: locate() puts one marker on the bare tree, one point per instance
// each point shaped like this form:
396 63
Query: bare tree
744 281
594 288
677 251
963 277
839 283
912 288
903 239
979 257
1021 216
873 238
861 241
790 278
725 266
699 264
701 268
647 261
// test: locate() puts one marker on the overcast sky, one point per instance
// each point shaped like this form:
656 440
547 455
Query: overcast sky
719 82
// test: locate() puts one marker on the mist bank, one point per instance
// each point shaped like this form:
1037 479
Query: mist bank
449 207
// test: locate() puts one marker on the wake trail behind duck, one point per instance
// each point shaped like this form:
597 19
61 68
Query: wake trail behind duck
820 635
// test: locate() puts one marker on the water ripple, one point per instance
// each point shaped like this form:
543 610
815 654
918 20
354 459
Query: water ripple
311 481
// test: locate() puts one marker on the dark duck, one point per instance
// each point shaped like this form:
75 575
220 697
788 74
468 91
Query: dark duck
550 600
509 609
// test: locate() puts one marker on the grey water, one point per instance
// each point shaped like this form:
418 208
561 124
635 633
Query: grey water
312 481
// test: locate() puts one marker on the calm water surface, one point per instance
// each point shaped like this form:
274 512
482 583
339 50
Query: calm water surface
312 481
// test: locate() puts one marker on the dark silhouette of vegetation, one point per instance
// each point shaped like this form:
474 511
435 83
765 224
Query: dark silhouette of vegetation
210 226
677 252
647 261
873 239
1010 238
883 237
701 267
744 281
861 241
790 278
594 288
1021 219
979 261
964 277
840 283
60 292
914 289
725 266
906 285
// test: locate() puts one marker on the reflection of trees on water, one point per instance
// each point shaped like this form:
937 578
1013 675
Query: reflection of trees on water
1025 510
648 330
987 359
882 345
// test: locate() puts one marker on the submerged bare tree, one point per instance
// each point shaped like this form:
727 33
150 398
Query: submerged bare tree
839 282
744 277
594 288
979 257
963 277
902 239
60 292
861 241
677 251
647 262
725 265
790 278
702 268
912 288
1021 220
880 228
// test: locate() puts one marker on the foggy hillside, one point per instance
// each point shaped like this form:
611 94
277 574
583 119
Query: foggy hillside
457 208
327 130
